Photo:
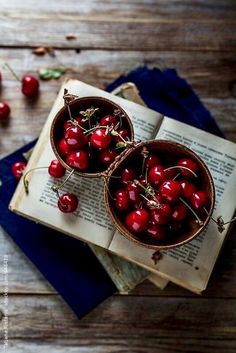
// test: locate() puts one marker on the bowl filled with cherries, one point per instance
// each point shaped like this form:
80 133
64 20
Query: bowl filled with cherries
160 195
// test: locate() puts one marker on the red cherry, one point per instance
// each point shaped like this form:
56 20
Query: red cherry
4 111
75 137
187 188
156 175
152 160
137 221
133 191
128 174
180 212
171 173
55 169
199 199
80 121
78 160
107 156
108 120
190 164
156 231
63 148
66 125
100 138
123 133
122 201
67 203
30 86
17 169
162 214
170 191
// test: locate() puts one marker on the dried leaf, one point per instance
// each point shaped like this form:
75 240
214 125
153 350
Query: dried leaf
70 36
43 50
51 73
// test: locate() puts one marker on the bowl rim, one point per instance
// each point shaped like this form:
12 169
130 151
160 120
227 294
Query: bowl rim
56 117
128 234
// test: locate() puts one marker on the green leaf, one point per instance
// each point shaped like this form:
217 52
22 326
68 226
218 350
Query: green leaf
51 73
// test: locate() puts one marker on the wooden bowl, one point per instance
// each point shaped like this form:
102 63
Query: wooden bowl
81 104
165 149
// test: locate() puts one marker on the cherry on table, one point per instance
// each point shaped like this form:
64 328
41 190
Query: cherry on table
17 169
68 203
56 169
170 191
100 138
136 221
4 111
122 201
78 159
30 86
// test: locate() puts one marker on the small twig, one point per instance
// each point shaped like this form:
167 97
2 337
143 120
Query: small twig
56 188
26 182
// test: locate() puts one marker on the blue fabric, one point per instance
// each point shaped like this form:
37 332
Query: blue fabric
68 264
170 95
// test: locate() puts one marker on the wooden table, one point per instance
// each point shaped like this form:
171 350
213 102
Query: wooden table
199 40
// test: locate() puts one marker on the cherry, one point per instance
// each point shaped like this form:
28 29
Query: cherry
137 220
30 86
108 120
78 160
122 201
128 174
100 138
75 137
190 164
156 231
170 190
175 227
123 133
4 111
17 169
156 175
68 203
162 214
180 212
55 169
171 173
152 160
133 191
63 148
187 188
107 156
199 199
66 125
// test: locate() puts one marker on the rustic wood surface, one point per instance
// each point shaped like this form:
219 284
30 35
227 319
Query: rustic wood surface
111 37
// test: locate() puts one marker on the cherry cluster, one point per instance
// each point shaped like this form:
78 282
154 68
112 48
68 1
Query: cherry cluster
29 87
90 142
164 200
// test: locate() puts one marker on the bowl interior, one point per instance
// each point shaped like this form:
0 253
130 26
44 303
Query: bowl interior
166 150
106 107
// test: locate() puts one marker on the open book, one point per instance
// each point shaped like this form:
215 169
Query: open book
190 265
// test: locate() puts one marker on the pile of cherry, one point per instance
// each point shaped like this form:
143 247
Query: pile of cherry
161 200
90 143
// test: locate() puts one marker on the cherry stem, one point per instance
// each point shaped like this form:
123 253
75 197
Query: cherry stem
146 174
12 71
231 221
177 175
26 181
200 222
74 121
220 222
176 166
56 188
94 128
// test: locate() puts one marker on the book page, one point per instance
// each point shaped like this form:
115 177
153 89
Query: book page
191 264
90 222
